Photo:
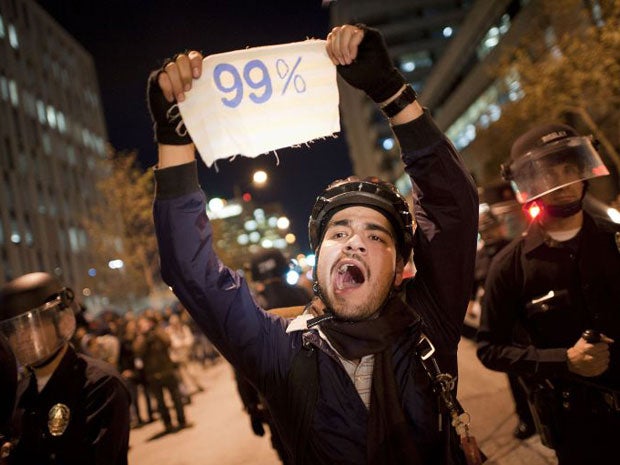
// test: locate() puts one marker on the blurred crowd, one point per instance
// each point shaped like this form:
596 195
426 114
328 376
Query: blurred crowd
155 350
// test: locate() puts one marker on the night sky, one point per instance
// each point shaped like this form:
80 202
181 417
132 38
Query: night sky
130 38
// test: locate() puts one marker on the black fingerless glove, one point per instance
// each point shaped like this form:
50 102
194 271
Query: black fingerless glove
373 70
166 119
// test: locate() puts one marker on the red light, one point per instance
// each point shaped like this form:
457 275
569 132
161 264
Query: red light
600 170
533 210
246 197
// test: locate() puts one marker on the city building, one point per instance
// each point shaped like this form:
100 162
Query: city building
445 48
52 135
417 33
244 226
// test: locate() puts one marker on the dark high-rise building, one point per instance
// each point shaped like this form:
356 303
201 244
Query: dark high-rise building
445 49
52 134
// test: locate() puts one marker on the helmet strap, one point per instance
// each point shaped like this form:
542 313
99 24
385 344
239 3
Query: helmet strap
569 209
46 361
564 211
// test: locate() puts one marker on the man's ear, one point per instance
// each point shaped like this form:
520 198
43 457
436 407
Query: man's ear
399 272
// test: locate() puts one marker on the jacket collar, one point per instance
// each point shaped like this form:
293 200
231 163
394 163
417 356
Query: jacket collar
535 236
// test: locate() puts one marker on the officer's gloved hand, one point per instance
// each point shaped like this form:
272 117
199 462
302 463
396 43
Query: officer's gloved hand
168 126
589 358
372 69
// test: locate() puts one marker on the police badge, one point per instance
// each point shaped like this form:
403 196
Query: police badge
58 419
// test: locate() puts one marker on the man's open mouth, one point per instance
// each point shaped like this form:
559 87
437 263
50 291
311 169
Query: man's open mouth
348 276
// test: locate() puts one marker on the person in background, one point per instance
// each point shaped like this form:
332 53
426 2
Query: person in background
268 270
152 346
181 342
550 309
71 408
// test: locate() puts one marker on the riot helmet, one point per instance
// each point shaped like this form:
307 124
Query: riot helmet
549 157
37 316
268 264
368 192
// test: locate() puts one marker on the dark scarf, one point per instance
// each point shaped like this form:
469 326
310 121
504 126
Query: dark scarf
390 439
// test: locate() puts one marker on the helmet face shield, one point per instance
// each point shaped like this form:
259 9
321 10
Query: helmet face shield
39 333
554 166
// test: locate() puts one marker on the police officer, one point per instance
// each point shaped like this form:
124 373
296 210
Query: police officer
551 285
268 269
71 409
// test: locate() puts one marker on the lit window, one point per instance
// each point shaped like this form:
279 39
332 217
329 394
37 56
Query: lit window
412 61
41 112
51 116
493 36
15 236
86 137
13 37
13 93
62 125
100 146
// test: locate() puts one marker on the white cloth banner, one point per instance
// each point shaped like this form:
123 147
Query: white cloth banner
250 102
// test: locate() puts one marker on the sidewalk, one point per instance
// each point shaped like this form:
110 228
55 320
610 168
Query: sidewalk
486 396
222 435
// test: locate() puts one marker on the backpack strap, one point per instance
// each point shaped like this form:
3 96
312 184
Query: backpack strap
303 382
443 386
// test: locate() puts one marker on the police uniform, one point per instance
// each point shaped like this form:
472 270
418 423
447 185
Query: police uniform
540 295
80 417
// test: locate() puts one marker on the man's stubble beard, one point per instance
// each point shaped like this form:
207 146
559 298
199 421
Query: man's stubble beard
360 311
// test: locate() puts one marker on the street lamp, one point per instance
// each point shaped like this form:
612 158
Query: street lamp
259 178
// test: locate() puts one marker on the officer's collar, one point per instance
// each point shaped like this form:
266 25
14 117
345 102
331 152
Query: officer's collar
535 236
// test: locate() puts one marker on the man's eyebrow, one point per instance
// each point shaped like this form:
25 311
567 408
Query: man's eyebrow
367 226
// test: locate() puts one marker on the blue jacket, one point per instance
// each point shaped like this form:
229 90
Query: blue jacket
257 344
